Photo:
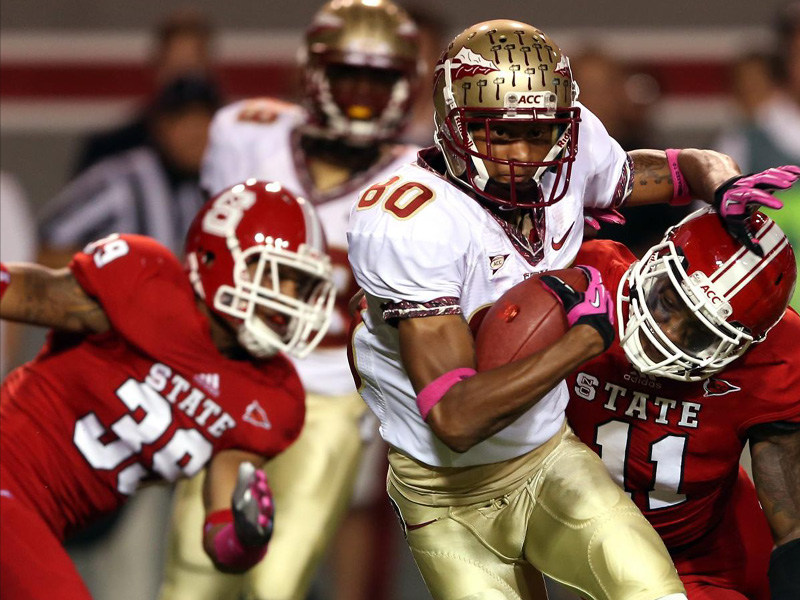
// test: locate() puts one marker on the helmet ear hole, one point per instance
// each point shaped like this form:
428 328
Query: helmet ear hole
208 258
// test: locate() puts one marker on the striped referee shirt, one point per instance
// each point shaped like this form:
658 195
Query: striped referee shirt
126 193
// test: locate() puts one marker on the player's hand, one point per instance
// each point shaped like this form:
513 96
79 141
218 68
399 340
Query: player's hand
737 198
253 508
593 307
594 217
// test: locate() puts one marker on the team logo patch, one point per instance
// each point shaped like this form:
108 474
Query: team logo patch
563 68
496 262
718 387
256 415
465 64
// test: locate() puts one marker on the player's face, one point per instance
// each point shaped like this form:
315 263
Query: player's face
362 93
523 141
677 322
293 283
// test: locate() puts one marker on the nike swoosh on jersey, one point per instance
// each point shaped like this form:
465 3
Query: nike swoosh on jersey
557 244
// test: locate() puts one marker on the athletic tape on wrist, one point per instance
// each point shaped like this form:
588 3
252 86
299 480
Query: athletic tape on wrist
432 393
680 189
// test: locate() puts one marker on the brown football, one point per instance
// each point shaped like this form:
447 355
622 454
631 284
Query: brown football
524 320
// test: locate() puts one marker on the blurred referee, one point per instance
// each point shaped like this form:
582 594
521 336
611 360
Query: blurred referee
152 189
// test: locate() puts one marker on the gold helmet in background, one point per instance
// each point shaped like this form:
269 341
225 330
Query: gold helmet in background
360 61
498 71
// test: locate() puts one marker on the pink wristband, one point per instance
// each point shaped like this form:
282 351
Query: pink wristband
680 189
433 392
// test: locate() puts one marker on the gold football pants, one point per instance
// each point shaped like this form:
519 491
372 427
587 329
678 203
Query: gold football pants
476 532
311 481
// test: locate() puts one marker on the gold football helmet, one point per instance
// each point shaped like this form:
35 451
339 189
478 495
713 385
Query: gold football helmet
360 62
496 72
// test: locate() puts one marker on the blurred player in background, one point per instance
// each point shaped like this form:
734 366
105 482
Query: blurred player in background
708 360
183 46
154 370
486 476
360 64
151 190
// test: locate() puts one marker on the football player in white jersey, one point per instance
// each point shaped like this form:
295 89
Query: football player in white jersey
487 478
360 66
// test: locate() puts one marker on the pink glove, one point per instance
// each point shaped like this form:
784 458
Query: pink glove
253 508
594 307
738 197
594 216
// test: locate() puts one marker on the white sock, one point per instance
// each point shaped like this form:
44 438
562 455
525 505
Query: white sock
673 597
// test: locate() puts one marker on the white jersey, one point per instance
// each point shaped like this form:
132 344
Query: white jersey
259 138
422 246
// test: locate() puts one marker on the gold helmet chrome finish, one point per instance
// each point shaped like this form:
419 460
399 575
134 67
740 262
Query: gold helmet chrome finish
498 71
360 61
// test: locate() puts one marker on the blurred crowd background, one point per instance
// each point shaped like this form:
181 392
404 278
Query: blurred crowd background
104 114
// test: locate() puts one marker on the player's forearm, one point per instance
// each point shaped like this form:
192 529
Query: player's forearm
50 298
486 403
703 171
776 473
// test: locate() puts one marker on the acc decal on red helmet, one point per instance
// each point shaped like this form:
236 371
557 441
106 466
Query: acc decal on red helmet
241 246
736 295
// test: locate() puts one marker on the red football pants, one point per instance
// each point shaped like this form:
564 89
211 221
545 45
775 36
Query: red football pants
33 563
731 561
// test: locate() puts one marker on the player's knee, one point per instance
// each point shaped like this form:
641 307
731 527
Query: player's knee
627 551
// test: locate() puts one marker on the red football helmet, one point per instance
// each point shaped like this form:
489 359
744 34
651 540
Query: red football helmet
242 246
360 64
734 296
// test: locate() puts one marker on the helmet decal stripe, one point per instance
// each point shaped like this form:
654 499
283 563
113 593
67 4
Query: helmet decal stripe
760 267
749 264
737 256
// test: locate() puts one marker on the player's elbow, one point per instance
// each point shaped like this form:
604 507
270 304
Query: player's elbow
452 431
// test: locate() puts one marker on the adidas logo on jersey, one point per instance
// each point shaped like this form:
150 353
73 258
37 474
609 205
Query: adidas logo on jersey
256 415
209 382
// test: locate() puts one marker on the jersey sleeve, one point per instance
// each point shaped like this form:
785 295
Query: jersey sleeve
611 258
416 266
224 162
611 173
141 287
235 131
769 377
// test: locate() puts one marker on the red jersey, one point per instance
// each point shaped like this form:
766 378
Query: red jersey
94 415
675 446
